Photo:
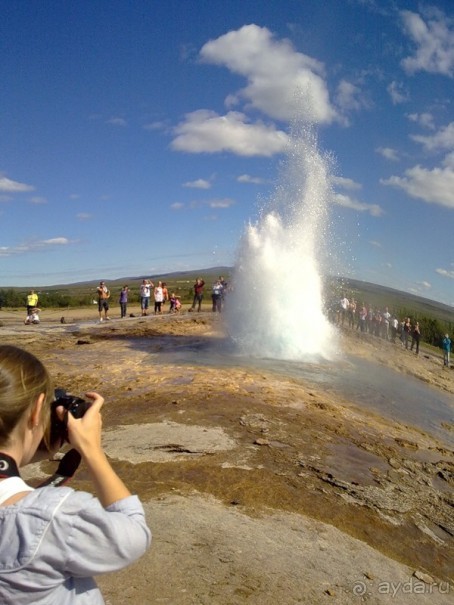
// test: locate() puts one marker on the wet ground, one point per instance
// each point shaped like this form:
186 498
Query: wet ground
185 419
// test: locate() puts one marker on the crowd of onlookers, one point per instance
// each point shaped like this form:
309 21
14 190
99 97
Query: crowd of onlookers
345 313
151 296
157 295
383 324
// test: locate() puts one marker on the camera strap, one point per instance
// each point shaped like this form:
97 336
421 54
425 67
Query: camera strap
8 467
65 470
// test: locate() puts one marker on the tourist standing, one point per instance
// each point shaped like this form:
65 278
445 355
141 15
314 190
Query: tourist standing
123 301
415 337
32 301
344 305
351 312
216 296
406 330
362 317
158 298
394 328
386 320
103 300
198 294
377 323
145 295
165 293
446 345
225 287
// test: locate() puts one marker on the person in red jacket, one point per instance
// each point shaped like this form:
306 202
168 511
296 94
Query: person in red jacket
198 294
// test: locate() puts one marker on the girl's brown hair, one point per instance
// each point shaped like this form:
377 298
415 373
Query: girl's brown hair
22 379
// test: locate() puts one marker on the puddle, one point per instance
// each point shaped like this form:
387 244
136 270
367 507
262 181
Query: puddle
364 383
352 464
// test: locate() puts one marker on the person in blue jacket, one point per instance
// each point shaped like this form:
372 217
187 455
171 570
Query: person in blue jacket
53 540
446 346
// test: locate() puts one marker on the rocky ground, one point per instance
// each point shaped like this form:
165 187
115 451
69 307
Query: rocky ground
259 488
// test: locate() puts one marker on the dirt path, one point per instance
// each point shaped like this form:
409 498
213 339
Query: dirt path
260 489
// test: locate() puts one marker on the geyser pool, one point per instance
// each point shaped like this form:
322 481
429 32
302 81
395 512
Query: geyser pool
275 309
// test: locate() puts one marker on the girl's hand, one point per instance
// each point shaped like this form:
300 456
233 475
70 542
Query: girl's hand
85 436
85 433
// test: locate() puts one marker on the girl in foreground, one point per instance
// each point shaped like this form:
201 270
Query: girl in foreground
54 539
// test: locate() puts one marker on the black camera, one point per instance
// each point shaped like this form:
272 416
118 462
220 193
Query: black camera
73 405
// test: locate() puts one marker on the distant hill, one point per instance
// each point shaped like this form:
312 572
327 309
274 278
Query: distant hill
182 281
382 296
207 275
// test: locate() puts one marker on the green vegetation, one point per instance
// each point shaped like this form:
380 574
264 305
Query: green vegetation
61 298
434 318
84 293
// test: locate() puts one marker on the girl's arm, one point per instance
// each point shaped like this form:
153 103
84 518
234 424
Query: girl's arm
85 435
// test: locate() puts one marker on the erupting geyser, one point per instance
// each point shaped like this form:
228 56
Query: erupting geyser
275 309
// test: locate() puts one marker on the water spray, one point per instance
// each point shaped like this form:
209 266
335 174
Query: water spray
276 309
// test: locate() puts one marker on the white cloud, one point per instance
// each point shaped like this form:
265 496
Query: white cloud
55 241
216 203
388 153
83 216
449 160
375 243
281 81
117 121
35 246
157 125
13 186
443 139
38 200
445 272
206 131
246 178
434 41
426 120
349 96
221 203
434 186
397 93
198 184
424 284
345 183
348 202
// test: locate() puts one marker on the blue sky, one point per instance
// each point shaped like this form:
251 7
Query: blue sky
140 137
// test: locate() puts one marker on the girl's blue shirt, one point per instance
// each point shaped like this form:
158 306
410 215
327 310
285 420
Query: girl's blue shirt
54 540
